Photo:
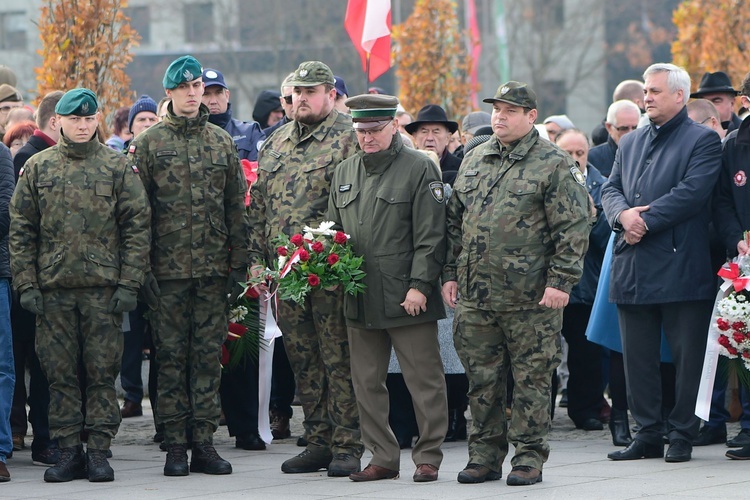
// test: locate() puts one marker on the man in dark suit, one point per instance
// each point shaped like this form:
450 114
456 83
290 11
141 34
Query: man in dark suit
657 199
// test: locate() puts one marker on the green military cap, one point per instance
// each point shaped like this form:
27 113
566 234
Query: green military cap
183 69
370 110
79 102
516 93
8 93
310 74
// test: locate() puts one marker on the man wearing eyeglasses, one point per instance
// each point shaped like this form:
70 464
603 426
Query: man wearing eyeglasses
390 199
286 105
9 98
622 118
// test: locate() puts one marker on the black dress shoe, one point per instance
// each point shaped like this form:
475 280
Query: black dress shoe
741 454
711 435
619 427
591 424
742 439
679 450
637 450
250 442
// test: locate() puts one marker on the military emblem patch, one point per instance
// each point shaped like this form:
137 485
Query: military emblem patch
211 74
436 188
131 149
188 75
740 179
578 176
504 90
85 107
20 172
343 188
135 169
303 73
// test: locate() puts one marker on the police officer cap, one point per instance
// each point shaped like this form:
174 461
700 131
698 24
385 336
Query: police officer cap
183 69
78 102
371 110
516 93
310 74
213 77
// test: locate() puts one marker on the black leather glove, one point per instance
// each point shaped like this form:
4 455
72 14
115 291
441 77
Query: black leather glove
33 301
124 299
150 291
235 284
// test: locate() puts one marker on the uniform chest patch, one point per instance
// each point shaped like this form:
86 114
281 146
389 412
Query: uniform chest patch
273 153
578 176
159 154
343 188
135 169
44 184
436 188
740 179
471 173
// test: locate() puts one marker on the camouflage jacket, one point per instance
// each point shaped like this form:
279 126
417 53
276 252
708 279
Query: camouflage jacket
79 218
517 222
391 203
294 180
196 186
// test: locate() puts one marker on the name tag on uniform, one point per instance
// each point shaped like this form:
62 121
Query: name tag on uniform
273 153
44 184
343 188
471 173
159 154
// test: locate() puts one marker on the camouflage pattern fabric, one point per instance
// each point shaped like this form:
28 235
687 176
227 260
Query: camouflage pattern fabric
296 165
76 325
189 327
79 218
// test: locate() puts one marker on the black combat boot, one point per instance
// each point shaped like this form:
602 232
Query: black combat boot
99 469
206 460
177 461
72 465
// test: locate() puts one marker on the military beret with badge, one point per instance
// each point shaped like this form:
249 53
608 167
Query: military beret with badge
181 70
78 102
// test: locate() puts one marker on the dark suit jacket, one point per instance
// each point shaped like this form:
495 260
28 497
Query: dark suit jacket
32 147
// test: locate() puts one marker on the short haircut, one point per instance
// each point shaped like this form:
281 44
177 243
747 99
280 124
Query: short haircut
574 130
618 106
284 84
46 109
121 120
703 109
19 130
745 87
677 78
631 90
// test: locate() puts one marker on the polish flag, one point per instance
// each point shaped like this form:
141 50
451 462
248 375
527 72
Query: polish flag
368 23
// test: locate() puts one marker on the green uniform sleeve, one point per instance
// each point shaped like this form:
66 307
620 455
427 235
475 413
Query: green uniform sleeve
23 238
236 213
133 212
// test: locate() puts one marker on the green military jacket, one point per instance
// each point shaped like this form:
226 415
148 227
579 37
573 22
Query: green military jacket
295 167
193 178
517 222
391 203
79 218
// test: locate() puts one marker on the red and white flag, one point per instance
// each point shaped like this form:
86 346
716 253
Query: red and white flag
368 23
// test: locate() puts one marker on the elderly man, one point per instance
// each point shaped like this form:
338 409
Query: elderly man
402 239
657 200
622 117
432 131
717 88
555 124
518 229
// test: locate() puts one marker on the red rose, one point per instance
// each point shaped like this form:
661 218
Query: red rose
304 255
738 325
722 324
282 251
224 355
332 259
738 337
297 240
724 341
340 238
313 280
732 351
317 247
746 354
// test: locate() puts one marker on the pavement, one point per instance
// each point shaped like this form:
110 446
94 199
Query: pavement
577 469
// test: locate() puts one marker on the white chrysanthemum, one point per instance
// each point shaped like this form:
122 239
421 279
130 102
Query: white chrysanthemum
282 261
325 228
238 314
740 298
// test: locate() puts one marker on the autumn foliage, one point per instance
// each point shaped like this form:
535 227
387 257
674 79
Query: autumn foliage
86 43
712 35
432 63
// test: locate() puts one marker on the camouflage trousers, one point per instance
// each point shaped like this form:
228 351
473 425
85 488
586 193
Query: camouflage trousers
316 343
489 343
76 327
189 327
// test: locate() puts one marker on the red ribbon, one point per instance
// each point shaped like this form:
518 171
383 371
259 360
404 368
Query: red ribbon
733 274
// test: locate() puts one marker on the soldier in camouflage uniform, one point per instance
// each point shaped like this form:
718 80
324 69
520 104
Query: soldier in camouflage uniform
296 165
193 178
518 225
79 253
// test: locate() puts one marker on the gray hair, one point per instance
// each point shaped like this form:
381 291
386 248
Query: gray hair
677 78
618 106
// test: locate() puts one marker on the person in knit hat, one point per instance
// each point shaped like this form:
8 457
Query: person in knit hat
141 116
268 110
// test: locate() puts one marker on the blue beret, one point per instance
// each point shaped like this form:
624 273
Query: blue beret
79 102
183 69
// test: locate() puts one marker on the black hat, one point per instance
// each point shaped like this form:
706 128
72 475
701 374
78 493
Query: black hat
432 113
714 83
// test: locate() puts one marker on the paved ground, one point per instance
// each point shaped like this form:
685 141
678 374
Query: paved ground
577 469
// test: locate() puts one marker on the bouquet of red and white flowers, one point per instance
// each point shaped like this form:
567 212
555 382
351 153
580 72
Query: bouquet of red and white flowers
319 258
732 322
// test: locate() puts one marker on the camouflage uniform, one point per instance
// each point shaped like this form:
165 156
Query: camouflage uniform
517 223
296 165
79 229
196 186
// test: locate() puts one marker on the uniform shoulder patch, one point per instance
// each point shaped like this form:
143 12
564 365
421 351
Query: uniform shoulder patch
131 149
343 188
20 172
135 169
578 175
437 191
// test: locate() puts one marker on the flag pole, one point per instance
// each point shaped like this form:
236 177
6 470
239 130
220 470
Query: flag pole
367 73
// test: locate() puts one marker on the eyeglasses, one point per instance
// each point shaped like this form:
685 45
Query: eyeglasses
6 109
287 99
626 128
370 131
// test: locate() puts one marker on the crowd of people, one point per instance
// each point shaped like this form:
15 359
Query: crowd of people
494 251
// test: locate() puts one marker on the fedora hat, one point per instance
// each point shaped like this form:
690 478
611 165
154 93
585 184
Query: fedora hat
713 83
432 113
